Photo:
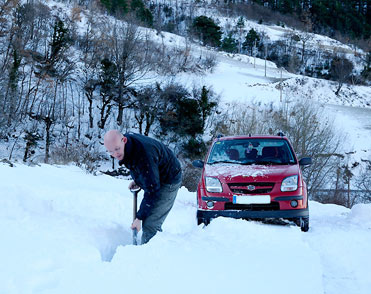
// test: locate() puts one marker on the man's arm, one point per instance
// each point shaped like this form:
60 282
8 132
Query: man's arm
150 177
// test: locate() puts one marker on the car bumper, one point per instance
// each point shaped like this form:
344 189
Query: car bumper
286 214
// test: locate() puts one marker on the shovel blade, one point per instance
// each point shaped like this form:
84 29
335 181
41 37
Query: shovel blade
135 237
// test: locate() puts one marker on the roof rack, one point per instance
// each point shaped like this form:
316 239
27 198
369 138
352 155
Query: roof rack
280 134
219 136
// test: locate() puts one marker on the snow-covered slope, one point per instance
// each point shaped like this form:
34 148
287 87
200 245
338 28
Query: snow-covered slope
237 79
64 231
244 79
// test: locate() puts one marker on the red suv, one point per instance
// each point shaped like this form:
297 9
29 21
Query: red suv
253 177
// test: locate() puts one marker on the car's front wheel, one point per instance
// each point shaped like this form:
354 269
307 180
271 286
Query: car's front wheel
202 220
303 223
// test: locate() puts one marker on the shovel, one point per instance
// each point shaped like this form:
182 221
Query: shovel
135 198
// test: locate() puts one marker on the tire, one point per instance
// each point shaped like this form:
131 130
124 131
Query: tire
303 223
201 220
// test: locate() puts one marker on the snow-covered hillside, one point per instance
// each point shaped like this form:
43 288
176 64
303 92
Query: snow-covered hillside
236 77
240 79
64 231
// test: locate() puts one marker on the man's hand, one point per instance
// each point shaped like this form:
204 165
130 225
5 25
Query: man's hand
133 186
137 224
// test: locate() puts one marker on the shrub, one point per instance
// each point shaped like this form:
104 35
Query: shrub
191 177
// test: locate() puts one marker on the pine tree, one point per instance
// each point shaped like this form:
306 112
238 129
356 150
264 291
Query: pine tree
142 13
252 39
207 30
229 44
60 39
122 7
205 104
115 6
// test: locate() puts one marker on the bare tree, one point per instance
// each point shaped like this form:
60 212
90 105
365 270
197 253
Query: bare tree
363 181
92 48
46 115
131 50
304 38
310 133
341 69
147 104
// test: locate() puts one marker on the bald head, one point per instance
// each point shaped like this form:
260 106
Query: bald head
112 135
115 142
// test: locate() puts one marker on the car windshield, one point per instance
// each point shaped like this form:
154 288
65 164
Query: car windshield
252 151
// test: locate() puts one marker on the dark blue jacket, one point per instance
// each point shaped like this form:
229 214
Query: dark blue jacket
151 165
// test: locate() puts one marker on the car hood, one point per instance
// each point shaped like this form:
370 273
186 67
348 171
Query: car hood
254 173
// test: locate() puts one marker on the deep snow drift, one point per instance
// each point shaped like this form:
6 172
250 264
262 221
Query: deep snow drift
65 231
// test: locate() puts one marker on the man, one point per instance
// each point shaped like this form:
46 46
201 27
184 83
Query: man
155 169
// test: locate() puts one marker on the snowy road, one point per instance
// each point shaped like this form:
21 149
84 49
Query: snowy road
360 114
64 231
355 122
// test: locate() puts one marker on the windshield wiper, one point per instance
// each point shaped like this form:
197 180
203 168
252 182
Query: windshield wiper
265 162
248 163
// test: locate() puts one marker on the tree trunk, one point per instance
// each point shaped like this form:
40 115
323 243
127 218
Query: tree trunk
28 146
104 114
140 118
120 114
149 121
302 53
349 206
48 124
91 120
89 96
339 88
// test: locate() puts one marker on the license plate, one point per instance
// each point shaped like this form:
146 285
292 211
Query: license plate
252 199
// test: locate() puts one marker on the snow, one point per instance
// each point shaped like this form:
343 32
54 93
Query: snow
356 124
244 171
242 79
66 231
360 214
238 81
277 32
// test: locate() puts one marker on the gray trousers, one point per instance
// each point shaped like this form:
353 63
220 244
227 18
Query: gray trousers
153 222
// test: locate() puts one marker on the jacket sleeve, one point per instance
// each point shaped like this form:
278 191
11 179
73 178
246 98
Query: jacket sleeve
151 185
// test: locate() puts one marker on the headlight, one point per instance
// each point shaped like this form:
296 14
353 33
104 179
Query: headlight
289 184
213 185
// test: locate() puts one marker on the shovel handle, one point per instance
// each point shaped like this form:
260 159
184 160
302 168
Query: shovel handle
135 204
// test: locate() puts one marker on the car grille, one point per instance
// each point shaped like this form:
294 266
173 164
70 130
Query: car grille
252 207
243 188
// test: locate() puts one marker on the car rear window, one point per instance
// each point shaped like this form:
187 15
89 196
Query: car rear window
252 151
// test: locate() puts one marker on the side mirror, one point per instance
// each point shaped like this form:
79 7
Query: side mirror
305 161
198 163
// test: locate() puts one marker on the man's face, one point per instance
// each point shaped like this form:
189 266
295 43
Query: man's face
116 147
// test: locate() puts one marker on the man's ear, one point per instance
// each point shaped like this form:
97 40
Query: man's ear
124 139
